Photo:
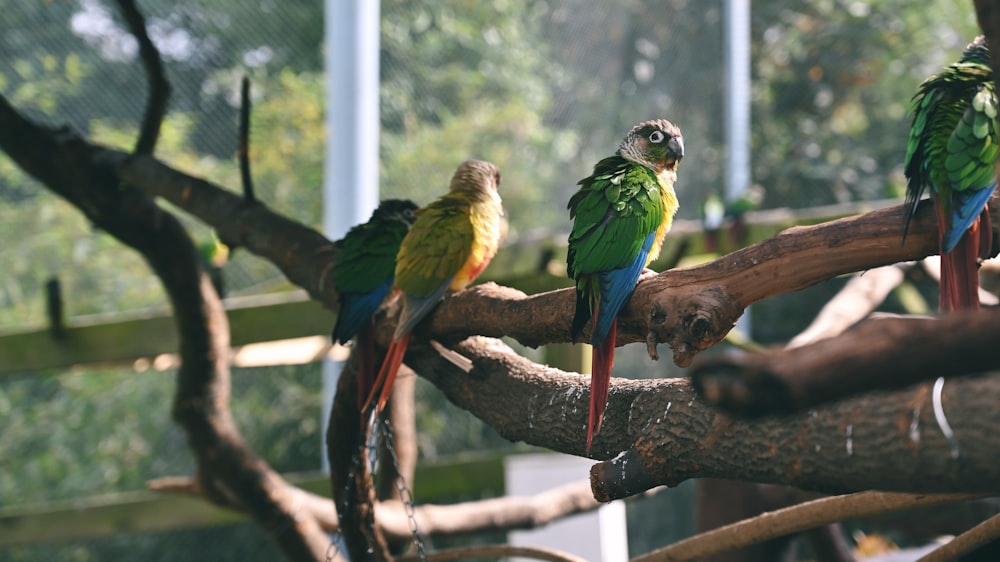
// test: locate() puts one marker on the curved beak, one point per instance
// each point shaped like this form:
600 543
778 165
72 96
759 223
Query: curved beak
676 146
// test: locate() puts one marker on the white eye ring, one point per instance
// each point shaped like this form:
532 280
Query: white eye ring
656 137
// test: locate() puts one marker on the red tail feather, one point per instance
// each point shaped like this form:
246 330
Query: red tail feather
364 353
387 374
960 273
600 380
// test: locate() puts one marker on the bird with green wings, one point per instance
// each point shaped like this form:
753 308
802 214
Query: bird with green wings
452 241
952 150
620 216
363 278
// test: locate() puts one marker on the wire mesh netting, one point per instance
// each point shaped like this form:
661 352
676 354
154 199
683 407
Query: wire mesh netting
542 88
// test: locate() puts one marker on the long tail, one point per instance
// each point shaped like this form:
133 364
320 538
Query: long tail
600 380
365 362
387 374
960 270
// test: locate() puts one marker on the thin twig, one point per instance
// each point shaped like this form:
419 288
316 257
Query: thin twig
159 88
244 152
494 551
968 541
795 519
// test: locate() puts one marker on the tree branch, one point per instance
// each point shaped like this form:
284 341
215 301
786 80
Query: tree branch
493 551
965 543
880 354
691 309
227 467
793 520
305 256
855 301
494 514
159 88
244 148
888 441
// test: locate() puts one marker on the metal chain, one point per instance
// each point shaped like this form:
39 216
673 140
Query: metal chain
333 550
405 494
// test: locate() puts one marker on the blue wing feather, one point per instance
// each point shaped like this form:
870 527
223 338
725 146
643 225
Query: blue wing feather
965 208
356 309
616 286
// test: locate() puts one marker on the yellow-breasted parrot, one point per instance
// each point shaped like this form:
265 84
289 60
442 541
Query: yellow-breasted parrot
621 214
449 245
363 278
952 149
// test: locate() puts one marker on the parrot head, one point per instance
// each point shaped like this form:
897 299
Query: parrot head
476 178
397 210
656 144
977 51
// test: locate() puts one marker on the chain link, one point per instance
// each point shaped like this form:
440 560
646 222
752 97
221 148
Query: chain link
333 550
405 494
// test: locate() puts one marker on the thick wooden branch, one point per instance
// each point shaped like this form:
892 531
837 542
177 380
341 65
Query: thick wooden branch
690 309
881 353
886 441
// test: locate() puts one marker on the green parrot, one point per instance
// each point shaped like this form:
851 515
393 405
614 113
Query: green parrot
363 277
953 149
452 241
621 214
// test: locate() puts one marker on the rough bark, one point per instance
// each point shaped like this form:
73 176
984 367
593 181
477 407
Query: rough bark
886 441
881 353
690 309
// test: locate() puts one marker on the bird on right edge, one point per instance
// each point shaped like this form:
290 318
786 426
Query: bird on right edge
953 149
621 214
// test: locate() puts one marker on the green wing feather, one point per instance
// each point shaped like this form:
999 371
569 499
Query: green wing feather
952 141
368 256
972 147
438 245
614 211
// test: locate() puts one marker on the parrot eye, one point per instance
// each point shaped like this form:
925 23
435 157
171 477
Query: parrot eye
656 137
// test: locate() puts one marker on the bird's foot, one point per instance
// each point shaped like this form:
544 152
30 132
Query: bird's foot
646 274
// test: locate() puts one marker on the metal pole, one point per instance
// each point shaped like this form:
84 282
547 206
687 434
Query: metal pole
737 101
737 109
350 175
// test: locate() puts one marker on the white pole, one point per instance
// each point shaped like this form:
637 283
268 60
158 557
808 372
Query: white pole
737 109
350 175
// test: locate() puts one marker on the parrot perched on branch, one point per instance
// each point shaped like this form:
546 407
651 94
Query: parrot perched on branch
363 277
621 214
452 241
953 149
